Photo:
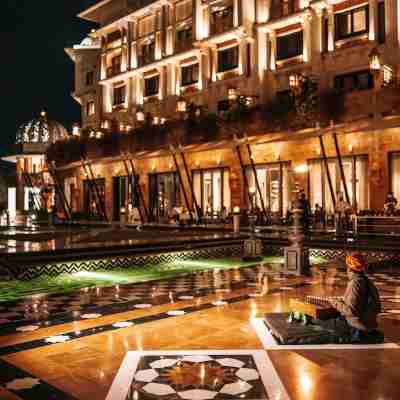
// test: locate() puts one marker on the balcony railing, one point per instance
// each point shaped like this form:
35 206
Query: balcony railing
183 45
114 70
146 59
281 9
221 25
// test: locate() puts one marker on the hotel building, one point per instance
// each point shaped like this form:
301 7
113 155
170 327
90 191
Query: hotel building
157 82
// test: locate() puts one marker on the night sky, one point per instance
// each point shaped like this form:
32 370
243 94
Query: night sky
35 71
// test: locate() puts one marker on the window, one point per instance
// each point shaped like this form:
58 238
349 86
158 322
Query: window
360 80
355 170
119 95
184 38
221 17
113 36
212 191
381 22
183 10
164 194
184 33
90 109
289 46
351 23
151 86
147 26
147 53
89 78
228 59
274 183
116 64
190 74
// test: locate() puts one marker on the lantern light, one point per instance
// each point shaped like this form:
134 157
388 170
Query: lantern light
294 81
181 105
140 115
375 60
232 94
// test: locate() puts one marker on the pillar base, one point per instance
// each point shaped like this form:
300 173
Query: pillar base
252 250
297 260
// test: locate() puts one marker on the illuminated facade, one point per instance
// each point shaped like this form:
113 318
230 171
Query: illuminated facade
149 60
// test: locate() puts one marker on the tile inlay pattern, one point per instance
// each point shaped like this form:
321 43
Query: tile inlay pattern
197 375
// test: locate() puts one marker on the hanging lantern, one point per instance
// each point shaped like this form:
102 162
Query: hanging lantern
294 82
140 115
374 60
232 94
181 105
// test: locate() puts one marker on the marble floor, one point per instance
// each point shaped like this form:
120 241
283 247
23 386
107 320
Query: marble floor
210 315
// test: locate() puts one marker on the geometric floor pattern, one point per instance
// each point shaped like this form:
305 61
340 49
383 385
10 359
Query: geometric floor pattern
197 375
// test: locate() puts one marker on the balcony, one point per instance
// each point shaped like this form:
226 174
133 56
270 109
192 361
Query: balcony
183 45
221 22
113 70
146 59
280 9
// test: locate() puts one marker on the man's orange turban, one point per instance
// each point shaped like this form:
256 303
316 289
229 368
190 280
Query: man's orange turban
356 262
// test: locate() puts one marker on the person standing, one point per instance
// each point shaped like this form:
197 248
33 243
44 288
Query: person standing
390 204
342 210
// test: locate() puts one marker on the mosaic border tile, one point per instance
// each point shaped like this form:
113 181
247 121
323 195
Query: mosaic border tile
268 374
24 272
27 386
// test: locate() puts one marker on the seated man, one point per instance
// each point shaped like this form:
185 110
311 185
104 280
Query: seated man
359 307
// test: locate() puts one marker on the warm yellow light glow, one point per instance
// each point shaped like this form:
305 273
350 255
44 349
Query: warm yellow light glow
374 60
350 148
301 169
232 94
140 115
156 120
181 105
76 130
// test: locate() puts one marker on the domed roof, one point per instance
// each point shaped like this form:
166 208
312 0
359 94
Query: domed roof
41 130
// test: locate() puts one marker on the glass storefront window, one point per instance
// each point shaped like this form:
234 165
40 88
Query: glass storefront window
274 183
212 190
90 199
356 174
164 193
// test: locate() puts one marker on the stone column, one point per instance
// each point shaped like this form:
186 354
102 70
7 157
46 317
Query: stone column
214 63
331 29
318 45
263 60
178 80
373 20
163 82
243 67
200 84
139 89
134 61
272 55
307 48
235 13
103 72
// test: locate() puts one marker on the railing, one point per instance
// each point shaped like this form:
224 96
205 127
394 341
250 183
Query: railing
147 59
183 45
221 25
114 70
377 225
282 9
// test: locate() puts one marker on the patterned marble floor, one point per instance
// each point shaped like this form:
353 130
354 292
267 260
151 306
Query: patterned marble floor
197 375
79 359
